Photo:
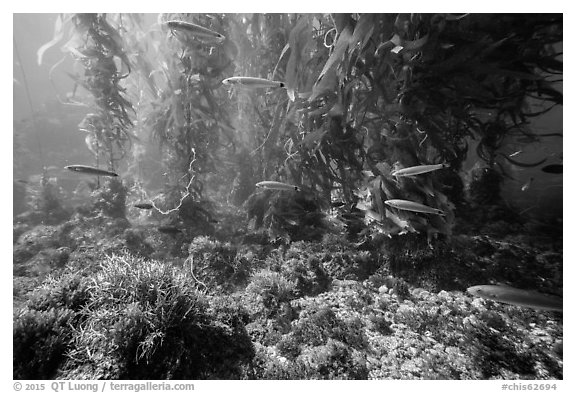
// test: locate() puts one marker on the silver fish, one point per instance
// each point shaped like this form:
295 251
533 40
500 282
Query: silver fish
90 170
199 32
517 297
276 185
412 206
527 184
248 81
417 170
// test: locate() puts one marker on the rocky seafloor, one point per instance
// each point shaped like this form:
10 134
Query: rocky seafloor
303 310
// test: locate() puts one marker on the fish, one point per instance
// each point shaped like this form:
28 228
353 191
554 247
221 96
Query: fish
527 184
90 170
169 229
196 31
248 81
515 153
553 168
517 297
276 185
417 170
146 206
413 206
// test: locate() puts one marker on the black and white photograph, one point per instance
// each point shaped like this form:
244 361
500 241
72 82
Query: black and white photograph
286 196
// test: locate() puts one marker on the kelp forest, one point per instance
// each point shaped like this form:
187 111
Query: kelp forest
291 196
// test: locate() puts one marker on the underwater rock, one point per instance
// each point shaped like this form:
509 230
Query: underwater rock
345 283
421 293
31 242
444 295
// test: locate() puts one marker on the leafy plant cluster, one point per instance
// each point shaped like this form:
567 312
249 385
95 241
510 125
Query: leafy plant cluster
397 90
133 319
45 202
269 292
319 346
95 42
336 257
40 341
186 113
218 264
110 200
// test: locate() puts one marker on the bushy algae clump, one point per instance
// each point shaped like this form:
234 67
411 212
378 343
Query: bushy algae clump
133 319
